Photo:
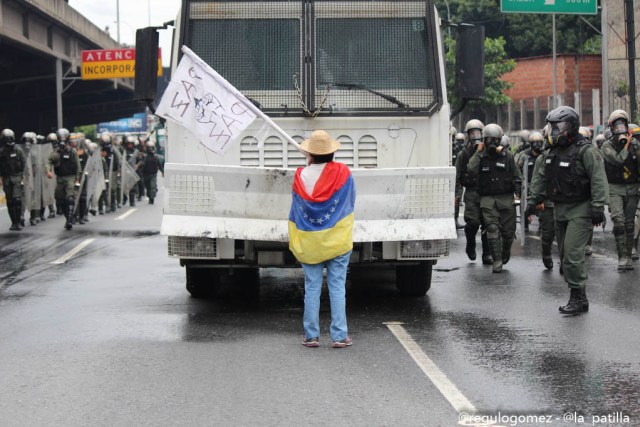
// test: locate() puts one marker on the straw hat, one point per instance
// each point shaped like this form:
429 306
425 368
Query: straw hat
320 143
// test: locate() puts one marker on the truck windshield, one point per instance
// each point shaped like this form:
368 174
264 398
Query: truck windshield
325 57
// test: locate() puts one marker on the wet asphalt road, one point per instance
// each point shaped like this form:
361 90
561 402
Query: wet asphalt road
111 337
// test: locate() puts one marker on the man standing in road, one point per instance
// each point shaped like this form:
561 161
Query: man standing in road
573 178
468 181
12 165
498 181
621 157
150 165
320 234
64 161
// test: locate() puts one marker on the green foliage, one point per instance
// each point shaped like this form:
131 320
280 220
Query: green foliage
496 65
90 131
527 34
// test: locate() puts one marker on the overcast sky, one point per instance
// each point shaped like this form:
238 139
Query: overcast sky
134 14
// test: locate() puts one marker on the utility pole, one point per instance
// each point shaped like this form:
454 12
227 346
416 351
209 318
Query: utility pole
631 56
605 63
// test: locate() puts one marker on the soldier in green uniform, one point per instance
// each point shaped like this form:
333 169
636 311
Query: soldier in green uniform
12 165
498 180
459 142
573 178
150 165
468 182
621 161
64 161
531 157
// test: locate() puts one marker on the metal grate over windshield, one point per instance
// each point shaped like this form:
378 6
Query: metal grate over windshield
319 57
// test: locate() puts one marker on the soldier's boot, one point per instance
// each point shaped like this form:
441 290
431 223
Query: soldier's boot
506 250
470 234
583 297
575 304
487 259
132 199
52 211
15 221
42 216
82 211
33 217
634 251
546 255
113 204
151 200
68 213
621 246
629 251
496 253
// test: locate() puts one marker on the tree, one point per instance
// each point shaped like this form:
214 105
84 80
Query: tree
89 131
526 34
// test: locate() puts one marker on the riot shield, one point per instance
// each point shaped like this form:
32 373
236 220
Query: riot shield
94 177
27 178
48 185
523 199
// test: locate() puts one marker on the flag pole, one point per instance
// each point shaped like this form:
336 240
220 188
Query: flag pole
243 98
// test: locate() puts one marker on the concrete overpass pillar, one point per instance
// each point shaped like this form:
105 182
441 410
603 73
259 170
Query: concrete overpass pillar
59 91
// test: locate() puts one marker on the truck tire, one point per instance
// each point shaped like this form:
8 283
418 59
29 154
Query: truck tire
199 282
414 280
220 282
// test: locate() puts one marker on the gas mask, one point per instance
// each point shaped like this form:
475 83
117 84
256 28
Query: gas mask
560 133
620 130
474 135
536 146
492 145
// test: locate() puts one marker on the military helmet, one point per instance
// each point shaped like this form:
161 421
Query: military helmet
524 136
618 114
131 140
619 122
634 129
566 115
459 136
505 141
7 136
62 134
453 131
473 129
105 138
52 137
492 130
28 137
585 131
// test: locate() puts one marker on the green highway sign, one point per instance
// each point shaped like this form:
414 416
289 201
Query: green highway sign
576 7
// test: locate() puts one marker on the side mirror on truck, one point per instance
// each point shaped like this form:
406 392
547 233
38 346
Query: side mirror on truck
470 62
469 65
146 79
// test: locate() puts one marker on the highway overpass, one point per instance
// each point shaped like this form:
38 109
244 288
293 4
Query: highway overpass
40 49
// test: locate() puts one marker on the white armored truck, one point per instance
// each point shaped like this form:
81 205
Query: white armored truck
370 73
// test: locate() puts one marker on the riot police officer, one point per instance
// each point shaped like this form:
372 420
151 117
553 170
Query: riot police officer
131 157
599 140
150 165
573 178
111 171
12 165
64 161
498 181
467 180
532 158
458 146
621 161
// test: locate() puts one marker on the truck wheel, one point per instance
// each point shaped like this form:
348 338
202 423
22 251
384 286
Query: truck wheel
199 282
414 280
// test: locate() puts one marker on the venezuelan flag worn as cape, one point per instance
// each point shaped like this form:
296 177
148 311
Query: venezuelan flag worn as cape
320 224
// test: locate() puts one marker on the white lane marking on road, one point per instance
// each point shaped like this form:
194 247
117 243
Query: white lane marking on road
459 402
124 215
73 251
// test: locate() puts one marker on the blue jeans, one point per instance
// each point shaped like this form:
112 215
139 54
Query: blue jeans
336 278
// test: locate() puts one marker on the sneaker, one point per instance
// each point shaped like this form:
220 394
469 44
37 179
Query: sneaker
343 343
311 342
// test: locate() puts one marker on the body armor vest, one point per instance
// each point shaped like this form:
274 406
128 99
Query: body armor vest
68 164
564 185
495 177
468 179
625 174
12 162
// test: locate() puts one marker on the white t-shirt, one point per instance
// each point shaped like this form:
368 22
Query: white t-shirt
310 176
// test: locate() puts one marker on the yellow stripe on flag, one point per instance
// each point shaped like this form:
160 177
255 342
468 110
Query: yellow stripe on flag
314 247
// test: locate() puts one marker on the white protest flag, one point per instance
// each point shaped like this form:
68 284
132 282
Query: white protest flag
201 100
